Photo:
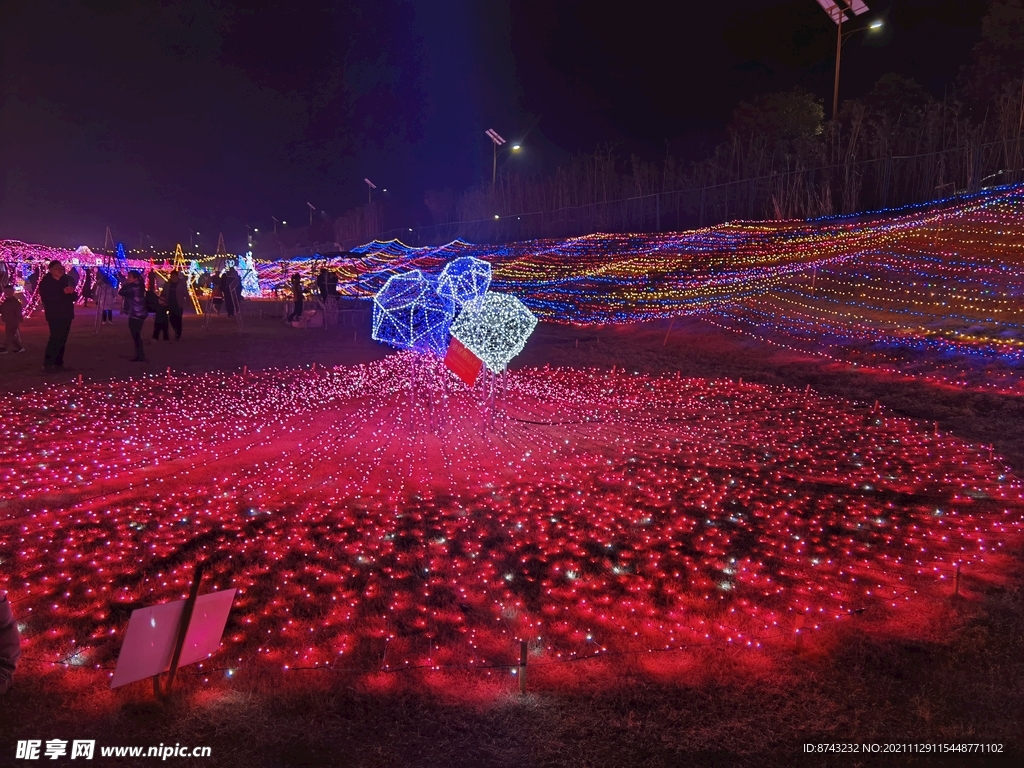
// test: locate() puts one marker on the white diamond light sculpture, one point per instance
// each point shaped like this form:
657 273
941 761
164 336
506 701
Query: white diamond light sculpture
495 328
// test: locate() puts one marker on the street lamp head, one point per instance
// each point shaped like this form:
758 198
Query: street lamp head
516 147
877 24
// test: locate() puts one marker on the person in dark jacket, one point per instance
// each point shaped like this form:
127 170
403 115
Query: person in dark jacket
296 297
59 304
10 643
87 288
135 305
175 294
217 292
231 284
156 305
321 283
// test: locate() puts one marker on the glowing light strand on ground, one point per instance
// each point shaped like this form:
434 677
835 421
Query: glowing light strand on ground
608 513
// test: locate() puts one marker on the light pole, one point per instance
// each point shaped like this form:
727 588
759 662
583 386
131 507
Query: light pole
370 186
497 141
276 222
311 209
837 11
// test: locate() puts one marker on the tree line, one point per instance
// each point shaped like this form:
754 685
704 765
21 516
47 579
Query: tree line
781 159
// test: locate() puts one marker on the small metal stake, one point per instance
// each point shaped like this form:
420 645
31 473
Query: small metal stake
523 648
179 644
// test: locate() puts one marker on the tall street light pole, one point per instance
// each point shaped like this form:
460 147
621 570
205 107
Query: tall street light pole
837 11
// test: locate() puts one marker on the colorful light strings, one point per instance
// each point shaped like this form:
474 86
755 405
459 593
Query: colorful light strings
372 526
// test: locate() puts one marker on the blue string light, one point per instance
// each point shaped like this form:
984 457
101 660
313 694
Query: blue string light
408 313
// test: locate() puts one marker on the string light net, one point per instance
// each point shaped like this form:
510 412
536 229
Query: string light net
464 279
408 313
494 328
616 513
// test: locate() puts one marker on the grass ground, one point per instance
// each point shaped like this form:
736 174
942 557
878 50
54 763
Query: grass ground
961 679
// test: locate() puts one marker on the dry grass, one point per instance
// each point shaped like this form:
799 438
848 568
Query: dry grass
961 677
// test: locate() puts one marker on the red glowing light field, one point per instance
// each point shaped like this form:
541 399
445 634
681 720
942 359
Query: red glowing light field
370 526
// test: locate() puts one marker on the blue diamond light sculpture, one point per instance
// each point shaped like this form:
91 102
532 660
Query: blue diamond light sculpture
495 328
464 279
408 313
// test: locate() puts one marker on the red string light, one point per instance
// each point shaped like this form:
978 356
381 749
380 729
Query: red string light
362 508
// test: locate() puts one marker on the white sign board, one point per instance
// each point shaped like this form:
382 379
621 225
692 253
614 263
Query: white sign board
149 642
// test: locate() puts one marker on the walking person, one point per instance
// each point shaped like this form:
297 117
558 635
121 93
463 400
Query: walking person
174 294
156 305
135 304
10 310
296 297
59 304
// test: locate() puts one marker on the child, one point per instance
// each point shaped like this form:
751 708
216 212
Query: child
11 312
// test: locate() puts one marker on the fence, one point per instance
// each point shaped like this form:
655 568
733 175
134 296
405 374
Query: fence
804 192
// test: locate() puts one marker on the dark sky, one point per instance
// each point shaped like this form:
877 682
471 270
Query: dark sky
161 119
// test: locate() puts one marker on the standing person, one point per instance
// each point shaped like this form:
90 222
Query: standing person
59 304
105 294
321 283
74 277
10 310
135 305
296 297
229 286
32 282
87 288
174 294
217 291
156 305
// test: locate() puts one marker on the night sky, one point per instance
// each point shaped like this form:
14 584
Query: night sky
163 119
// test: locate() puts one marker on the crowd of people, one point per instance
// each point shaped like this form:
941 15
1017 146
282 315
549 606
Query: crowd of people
134 296
326 288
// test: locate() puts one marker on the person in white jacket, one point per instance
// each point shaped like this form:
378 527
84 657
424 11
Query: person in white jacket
10 643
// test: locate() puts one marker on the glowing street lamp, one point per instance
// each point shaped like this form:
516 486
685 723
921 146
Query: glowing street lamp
837 11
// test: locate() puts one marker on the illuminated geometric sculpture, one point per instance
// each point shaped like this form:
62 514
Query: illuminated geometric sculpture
464 279
408 313
494 328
